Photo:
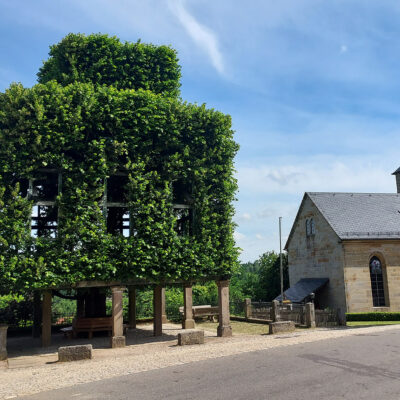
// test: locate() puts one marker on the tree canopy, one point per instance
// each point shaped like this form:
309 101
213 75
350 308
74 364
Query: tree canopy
260 280
104 60
90 125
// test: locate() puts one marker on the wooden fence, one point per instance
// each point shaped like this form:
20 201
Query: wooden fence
290 312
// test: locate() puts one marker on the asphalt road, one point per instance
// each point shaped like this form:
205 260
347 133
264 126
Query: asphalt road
364 366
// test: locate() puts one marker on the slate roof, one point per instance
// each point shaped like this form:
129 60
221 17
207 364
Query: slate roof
303 288
360 215
397 171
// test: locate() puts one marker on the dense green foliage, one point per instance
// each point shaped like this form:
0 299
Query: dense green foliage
373 316
88 133
104 60
260 280
16 310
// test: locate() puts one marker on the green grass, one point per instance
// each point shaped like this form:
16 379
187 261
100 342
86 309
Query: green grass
370 323
238 327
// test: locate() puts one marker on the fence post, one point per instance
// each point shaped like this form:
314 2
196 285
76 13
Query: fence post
247 308
275 311
310 315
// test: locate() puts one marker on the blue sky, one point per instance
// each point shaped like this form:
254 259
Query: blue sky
313 86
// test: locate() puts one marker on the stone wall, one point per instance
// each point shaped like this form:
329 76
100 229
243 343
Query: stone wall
357 277
318 256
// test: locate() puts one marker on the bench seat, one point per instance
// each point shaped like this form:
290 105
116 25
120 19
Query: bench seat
90 325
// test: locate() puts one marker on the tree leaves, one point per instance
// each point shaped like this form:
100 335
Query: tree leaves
89 125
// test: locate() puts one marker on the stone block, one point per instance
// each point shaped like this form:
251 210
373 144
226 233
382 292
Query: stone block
281 327
190 336
3 342
75 353
118 341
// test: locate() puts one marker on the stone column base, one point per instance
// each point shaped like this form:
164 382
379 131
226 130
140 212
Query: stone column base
117 341
188 324
164 319
224 331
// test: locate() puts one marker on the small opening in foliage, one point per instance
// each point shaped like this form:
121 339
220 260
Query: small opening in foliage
118 220
44 221
45 186
182 192
184 221
117 189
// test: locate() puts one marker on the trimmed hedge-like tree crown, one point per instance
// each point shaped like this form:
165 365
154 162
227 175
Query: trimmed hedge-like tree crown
90 131
104 60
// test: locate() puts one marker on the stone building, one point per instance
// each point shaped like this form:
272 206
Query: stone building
345 248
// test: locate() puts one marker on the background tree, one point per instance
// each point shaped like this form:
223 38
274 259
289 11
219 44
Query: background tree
269 284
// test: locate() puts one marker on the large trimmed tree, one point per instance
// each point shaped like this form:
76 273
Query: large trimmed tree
103 106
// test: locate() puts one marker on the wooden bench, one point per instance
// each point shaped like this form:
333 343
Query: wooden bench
209 312
90 325
205 311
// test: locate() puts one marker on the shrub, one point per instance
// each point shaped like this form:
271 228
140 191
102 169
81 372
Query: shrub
373 316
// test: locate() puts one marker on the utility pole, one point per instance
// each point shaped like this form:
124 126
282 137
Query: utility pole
280 256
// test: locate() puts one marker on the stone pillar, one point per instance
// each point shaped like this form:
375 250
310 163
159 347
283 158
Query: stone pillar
164 314
188 321
157 311
118 338
3 342
132 307
46 318
224 327
247 308
310 315
275 311
37 314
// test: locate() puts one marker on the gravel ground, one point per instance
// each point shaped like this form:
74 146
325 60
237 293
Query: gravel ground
107 363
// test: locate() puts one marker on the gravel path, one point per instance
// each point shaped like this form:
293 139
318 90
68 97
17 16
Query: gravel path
109 363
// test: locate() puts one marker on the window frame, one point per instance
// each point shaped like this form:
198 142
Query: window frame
105 205
378 284
44 203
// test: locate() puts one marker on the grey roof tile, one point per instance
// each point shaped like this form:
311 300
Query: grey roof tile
360 215
303 288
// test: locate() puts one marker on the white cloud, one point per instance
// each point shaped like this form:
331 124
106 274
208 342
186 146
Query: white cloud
243 217
343 48
316 174
276 189
201 35
238 236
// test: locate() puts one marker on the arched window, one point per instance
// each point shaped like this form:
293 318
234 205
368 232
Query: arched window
312 226
308 227
377 283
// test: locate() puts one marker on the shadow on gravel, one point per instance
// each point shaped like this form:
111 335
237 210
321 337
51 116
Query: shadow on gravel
24 346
